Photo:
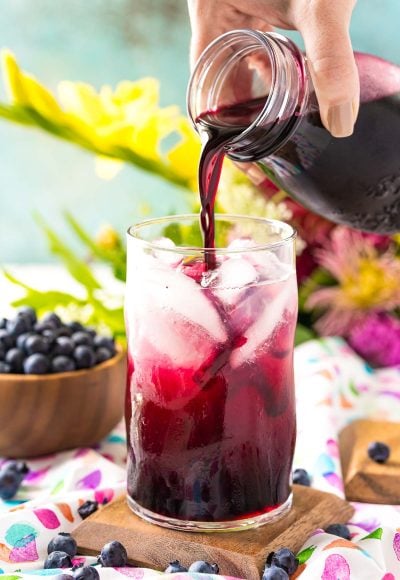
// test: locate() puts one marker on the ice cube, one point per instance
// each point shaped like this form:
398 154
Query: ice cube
265 323
234 275
168 257
161 288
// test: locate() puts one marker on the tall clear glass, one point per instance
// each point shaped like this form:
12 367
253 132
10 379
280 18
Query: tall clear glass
210 407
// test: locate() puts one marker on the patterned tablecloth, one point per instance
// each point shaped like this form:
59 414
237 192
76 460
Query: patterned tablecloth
334 386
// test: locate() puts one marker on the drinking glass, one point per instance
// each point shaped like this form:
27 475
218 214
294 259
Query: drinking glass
210 407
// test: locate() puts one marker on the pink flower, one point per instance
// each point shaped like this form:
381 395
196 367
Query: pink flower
367 281
377 339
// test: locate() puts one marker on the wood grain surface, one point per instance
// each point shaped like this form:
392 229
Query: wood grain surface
364 479
241 554
42 414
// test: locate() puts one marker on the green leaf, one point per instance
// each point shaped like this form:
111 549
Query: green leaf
375 535
75 266
306 554
303 334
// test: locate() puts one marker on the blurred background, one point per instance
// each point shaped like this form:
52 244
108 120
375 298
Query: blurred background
103 42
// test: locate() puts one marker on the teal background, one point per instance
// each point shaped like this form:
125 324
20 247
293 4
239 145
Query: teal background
105 41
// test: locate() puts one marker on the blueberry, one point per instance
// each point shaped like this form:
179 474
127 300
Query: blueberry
3 323
339 530
86 573
39 327
50 336
63 345
19 467
275 573
82 338
15 358
28 313
6 339
62 577
378 451
36 364
91 331
18 326
103 354
36 344
285 559
113 555
301 477
63 542
88 508
22 339
84 357
202 567
64 331
75 326
9 483
58 559
5 369
105 342
175 567
53 318
62 364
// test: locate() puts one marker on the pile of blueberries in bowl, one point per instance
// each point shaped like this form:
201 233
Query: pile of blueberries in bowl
32 346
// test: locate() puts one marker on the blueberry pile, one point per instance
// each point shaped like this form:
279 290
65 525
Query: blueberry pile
29 346
11 476
280 565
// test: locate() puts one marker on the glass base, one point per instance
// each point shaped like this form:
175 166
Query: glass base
226 526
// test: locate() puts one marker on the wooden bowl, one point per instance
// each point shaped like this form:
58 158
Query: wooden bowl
42 414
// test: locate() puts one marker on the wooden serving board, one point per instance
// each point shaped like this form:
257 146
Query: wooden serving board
241 554
364 479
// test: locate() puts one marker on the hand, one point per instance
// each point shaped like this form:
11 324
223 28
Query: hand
324 25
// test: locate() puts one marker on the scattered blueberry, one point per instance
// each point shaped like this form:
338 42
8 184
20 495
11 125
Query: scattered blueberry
9 483
6 339
339 530
58 559
36 364
86 573
88 508
18 326
275 573
63 542
18 466
63 345
84 357
301 477
52 318
202 567
11 477
82 338
113 555
28 313
103 354
285 559
62 364
175 567
15 358
4 368
378 451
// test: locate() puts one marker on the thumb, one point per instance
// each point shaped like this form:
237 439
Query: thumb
325 29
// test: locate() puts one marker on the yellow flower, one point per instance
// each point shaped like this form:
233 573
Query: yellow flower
107 238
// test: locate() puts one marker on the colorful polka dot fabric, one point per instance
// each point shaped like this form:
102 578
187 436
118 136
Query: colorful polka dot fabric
334 386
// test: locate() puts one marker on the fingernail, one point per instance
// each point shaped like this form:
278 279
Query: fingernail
341 119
